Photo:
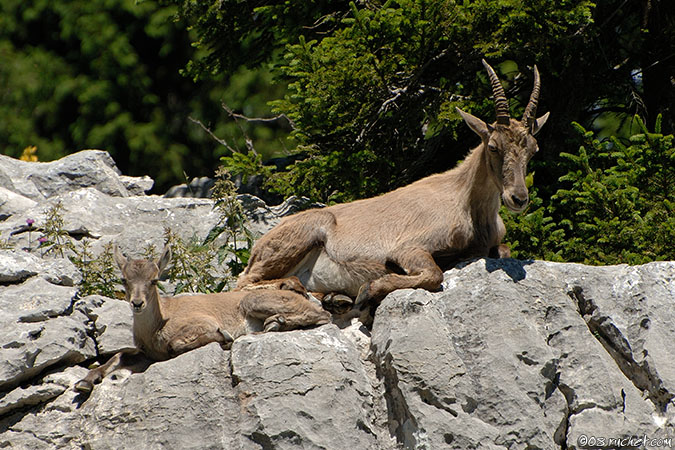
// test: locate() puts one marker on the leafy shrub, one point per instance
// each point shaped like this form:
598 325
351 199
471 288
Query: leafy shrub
99 273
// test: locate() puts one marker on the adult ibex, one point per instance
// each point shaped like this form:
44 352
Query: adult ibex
368 248
164 327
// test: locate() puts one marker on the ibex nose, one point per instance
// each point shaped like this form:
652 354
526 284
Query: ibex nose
137 305
519 201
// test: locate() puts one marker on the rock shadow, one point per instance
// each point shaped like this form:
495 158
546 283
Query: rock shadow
514 268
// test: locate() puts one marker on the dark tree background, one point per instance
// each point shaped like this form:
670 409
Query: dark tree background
79 74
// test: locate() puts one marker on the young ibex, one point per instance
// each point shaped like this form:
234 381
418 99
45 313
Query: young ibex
164 327
368 248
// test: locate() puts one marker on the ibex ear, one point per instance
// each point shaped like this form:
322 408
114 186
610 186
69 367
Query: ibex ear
120 259
164 259
478 126
537 124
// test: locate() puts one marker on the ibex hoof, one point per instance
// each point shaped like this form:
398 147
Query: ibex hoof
337 303
226 336
226 344
500 251
274 323
364 297
83 387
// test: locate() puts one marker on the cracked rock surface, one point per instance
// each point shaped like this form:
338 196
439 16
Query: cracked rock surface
508 355
515 353
488 362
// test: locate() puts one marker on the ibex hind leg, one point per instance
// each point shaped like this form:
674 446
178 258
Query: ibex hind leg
420 272
279 251
199 334
283 310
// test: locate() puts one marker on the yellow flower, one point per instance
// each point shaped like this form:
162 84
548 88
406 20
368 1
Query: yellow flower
29 154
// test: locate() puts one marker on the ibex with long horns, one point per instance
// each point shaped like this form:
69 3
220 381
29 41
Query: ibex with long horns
368 248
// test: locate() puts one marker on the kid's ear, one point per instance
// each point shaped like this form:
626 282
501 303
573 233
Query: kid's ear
120 259
164 259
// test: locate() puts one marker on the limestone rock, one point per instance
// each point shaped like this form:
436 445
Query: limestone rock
513 353
109 321
137 185
303 389
12 203
38 330
40 180
17 266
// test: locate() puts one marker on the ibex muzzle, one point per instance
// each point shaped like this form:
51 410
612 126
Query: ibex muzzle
510 143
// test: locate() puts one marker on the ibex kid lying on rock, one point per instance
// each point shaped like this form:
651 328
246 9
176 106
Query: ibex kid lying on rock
164 327
368 248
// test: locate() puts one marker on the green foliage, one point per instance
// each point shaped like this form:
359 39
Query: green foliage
232 225
367 101
81 74
191 269
250 32
534 233
99 274
246 96
238 163
193 261
372 86
55 239
616 206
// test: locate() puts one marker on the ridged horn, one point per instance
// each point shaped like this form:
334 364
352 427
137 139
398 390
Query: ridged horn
501 103
530 113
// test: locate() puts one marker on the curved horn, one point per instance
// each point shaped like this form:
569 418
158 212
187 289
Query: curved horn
501 103
531 110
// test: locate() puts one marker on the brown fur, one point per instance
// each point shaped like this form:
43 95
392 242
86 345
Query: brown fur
165 327
368 248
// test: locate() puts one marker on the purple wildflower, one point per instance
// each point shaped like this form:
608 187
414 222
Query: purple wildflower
30 222
42 240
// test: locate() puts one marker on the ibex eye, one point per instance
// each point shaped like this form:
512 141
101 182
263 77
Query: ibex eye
492 148
154 282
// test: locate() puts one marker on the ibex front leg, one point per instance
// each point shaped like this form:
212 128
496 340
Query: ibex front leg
131 359
421 272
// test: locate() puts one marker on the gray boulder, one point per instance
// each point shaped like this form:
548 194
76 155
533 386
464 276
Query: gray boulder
88 168
12 203
39 330
513 353
17 266
196 188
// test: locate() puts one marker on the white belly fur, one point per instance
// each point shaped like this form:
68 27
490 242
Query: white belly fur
319 273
